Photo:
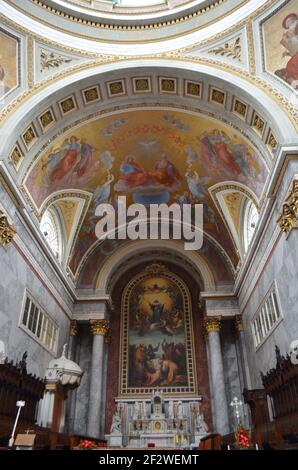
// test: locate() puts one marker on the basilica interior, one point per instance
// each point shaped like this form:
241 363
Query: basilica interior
135 341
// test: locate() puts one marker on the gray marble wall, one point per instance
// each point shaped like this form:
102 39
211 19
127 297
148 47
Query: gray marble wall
281 268
17 275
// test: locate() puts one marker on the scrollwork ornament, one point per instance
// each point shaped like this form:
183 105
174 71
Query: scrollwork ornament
7 232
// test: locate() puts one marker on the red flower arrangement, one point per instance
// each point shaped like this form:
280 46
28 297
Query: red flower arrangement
243 438
87 445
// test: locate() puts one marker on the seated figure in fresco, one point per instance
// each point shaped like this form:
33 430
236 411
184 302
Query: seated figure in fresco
166 173
132 175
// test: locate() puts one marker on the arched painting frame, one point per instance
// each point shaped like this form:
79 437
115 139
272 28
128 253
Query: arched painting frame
157 345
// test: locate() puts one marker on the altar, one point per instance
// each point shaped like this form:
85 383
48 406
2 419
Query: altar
160 422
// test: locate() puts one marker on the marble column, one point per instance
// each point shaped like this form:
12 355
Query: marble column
71 400
212 326
244 372
100 330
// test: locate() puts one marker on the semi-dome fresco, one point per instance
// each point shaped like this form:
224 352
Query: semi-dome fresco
150 157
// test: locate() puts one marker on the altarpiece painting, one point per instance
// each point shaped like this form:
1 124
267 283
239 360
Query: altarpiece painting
157 339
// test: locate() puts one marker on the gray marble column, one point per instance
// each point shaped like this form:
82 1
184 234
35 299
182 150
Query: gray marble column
212 325
71 399
244 373
99 329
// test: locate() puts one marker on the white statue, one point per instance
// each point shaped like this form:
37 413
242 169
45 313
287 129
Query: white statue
294 352
116 423
200 425
180 410
144 410
136 410
171 409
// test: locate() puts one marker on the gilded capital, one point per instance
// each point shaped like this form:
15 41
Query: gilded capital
212 323
7 232
238 323
73 328
289 217
99 327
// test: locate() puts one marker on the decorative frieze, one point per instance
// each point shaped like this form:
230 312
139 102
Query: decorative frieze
289 217
212 324
7 232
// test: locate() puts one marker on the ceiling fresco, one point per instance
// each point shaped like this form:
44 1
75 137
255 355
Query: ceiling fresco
153 157
281 43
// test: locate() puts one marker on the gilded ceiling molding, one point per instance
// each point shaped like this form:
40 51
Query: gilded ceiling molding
290 110
160 24
289 217
251 48
30 61
7 232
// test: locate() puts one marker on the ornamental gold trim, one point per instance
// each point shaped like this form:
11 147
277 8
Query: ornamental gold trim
289 217
119 27
100 327
73 328
238 323
7 232
213 324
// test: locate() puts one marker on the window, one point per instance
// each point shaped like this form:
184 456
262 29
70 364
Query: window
267 317
39 324
49 227
251 217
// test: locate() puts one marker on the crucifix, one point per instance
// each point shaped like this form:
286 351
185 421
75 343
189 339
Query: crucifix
236 404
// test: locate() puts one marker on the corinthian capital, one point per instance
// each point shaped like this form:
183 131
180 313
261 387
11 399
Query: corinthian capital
73 328
238 323
212 323
99 327
7 232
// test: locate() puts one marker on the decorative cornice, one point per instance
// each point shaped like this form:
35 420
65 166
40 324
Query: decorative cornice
153 25
100 327
73 328
289 217
238 323
7 232
212 324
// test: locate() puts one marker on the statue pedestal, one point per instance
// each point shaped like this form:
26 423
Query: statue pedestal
115 440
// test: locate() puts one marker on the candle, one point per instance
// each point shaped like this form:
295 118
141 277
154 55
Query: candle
229 448
257 447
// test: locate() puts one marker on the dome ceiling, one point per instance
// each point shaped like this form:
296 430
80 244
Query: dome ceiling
150 157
